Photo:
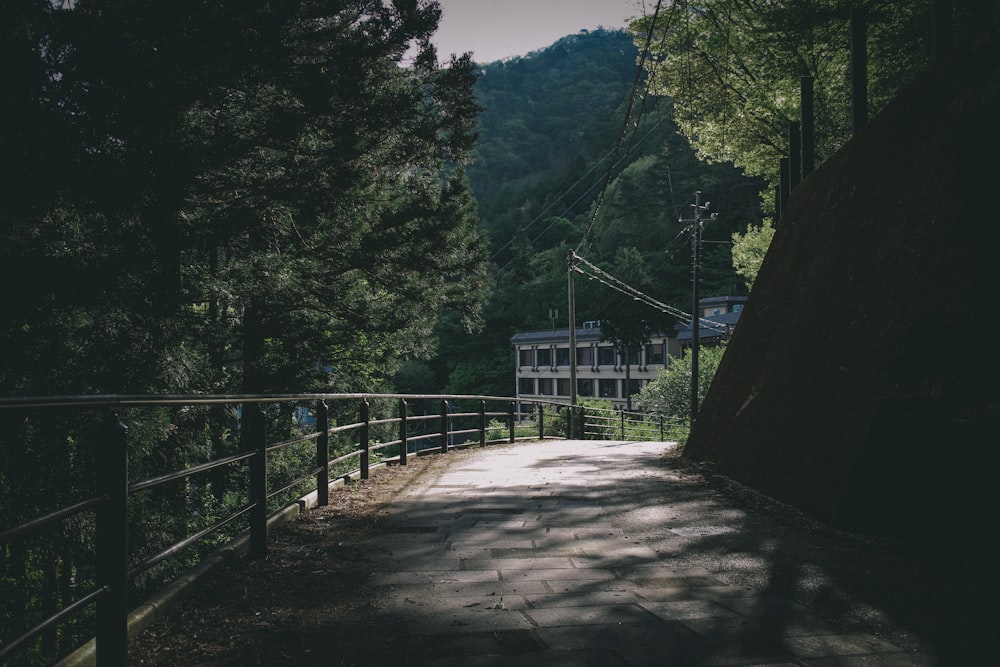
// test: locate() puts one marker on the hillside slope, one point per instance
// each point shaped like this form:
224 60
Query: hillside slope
863 384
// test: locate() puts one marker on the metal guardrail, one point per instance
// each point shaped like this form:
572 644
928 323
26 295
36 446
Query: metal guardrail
630 425
116 567
113 564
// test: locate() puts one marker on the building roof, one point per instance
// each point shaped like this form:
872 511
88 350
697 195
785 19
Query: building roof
718 300
724 324
711 326
555 336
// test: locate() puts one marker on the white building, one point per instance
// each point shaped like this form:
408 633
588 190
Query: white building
542 368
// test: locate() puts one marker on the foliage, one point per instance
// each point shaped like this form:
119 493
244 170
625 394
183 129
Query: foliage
669 395
598 416
535 210
274 213
733 68
217 197
749 249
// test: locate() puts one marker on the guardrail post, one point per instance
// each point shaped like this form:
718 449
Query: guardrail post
254 437
511 414
444 426
623 424
541 421
403 446
482 423
662 434
323 454
112 546
365 436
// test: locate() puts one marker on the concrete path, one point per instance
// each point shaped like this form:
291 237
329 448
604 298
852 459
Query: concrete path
595 553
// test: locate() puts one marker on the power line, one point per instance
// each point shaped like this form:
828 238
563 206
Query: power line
557 200
581 266
571 206
628 115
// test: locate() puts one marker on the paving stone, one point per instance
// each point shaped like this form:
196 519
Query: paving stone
513 564
736 627
506 643
673 582
580 599
725 654
589 658
764 605
591 615
901 659
431 577
653 643
557 574
466 542
460 589
677 610
419 602
839 645
543 555
466 621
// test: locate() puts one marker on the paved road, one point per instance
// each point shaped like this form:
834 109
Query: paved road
603 553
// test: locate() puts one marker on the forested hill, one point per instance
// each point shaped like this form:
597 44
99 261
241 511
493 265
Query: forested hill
547 116
549 124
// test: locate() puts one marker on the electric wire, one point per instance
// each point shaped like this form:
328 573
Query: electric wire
556 201
628 115
596 183
619 285
570 207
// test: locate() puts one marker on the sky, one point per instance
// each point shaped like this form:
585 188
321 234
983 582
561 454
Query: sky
497 29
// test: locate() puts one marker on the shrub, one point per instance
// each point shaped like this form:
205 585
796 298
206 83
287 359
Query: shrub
669 395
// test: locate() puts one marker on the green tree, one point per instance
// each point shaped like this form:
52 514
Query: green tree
247 197
214 197
749 249
669 395
732 69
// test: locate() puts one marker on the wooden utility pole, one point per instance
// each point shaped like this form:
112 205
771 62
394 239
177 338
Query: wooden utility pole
695 316
572 338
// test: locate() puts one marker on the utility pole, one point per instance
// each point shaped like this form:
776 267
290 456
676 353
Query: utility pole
572 337
699 208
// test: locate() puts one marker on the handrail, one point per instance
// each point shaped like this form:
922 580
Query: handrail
110 507
161 400
18 532
188 472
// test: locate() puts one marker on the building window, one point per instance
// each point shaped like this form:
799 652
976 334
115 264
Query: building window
585 356
543 356
526 386
524 357
562 356
605 355
545 387
608 388
562 387
585 387
654 354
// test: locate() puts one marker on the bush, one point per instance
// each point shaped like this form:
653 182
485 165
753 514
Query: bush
669 395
